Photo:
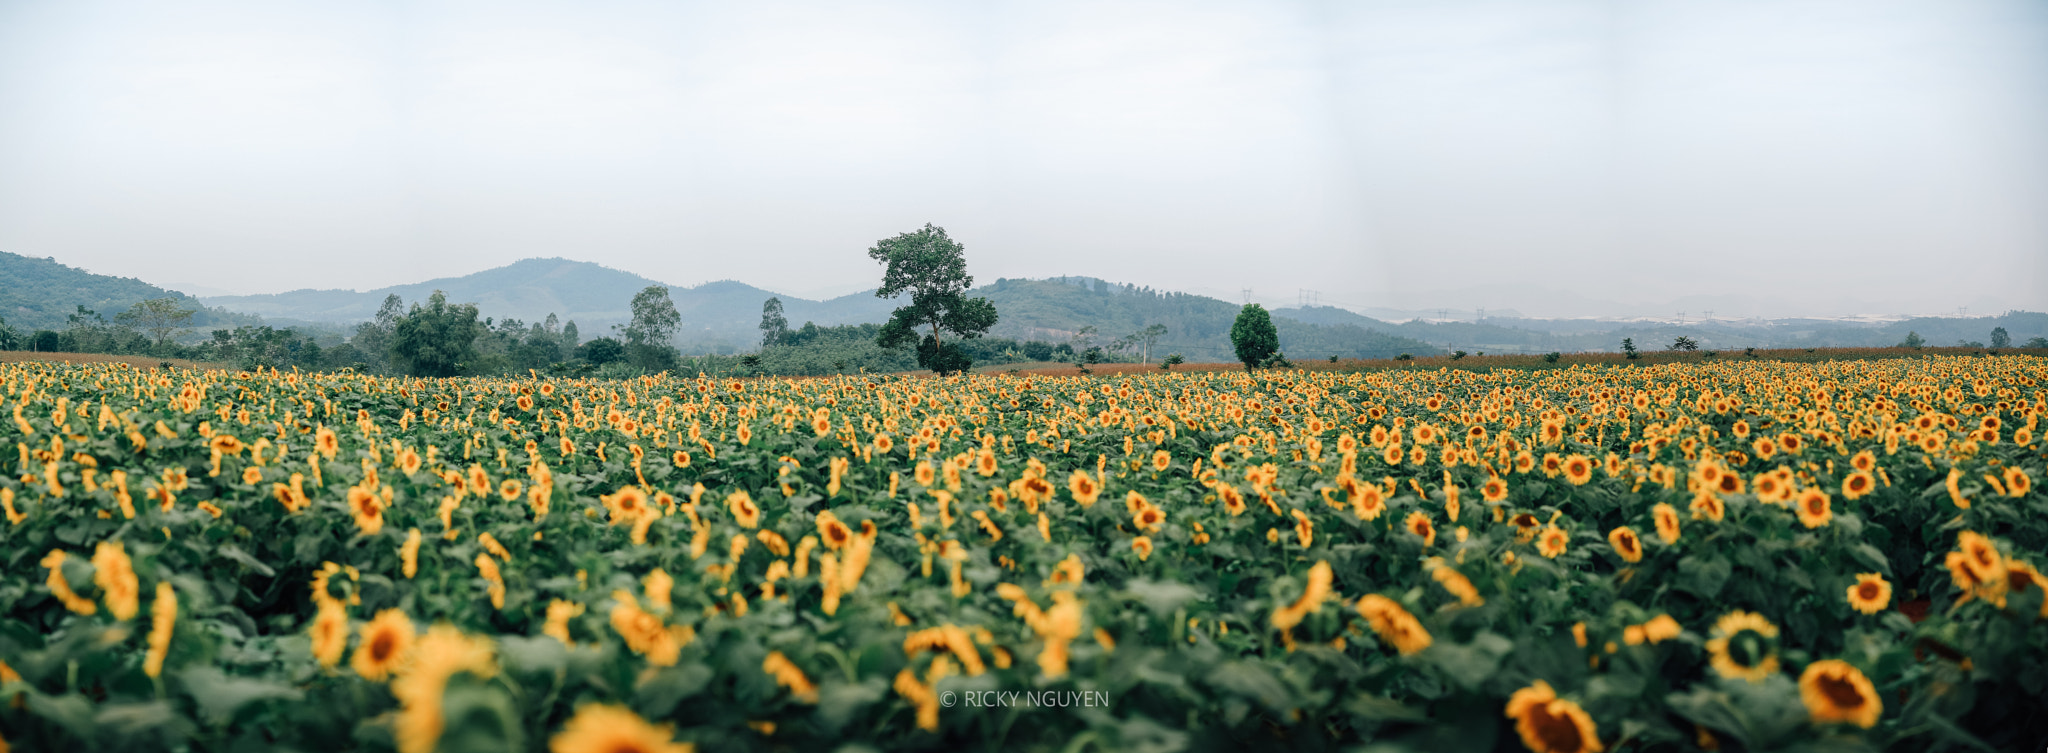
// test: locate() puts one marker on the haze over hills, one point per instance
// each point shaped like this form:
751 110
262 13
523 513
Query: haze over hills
722 317
43 293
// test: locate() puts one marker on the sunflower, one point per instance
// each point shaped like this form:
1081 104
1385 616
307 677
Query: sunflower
1549 724
1744 645
326 443
1495 490
329 632
367 509
1836 691
1706 506
1764 447
1857 484
925 474
1084 487
114 573
1150 519
1454 582
1233 500
1626 544
437 656
2016 482
605 728
1552 541
1871 594
252 475
834 533
1770 489
1813 507
385 644
1578 469
1980 557
1312 595
1367 501
1730 483
1394 624
743 509
1143 546
163 616
1418 523
1865 461
511 490
1524 461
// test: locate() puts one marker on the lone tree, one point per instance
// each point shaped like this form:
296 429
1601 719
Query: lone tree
1254 337
651 337
2000 338
160 317
932 269
1913 340
436 340
774 326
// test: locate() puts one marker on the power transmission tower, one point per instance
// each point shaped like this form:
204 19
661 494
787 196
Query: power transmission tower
1247 296
1681 317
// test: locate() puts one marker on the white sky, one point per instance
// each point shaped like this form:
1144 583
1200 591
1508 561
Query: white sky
1791 156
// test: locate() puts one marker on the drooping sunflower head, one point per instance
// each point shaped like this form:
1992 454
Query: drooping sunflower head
1835 691
1626 544
1548 724
1418 523
1394 624
1667 523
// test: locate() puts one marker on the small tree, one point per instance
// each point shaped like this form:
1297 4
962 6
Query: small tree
435 340
1628 346
651 336
932 269
1683 343
2000 339
774 326
601 351
1171 360
2038 342
1913 340
1253 336
163 317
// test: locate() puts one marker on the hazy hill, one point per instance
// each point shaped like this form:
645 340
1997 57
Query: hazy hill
1198 327
714 314
41 293
1506 335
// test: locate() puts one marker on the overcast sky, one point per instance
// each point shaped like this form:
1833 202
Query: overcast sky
1790 156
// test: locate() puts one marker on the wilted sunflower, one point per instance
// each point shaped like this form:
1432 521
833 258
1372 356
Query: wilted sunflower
605 728
1744 645
1871 593
385 643
1394 624
1549 724
1836 691
1626 544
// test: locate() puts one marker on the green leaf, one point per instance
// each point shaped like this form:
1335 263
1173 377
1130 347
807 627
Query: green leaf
1470 664
220 696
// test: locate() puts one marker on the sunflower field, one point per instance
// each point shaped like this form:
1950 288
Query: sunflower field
1707 556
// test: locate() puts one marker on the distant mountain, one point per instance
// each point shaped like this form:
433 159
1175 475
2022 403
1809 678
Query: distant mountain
41 293
1198 327
716 315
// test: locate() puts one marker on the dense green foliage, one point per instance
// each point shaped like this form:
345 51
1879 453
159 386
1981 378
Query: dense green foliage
931 269
1253 338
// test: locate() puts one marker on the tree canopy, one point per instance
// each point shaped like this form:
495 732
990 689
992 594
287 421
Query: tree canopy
651 337
1253 336
931 268
438 339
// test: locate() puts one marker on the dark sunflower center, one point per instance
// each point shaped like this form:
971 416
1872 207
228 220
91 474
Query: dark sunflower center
1748 648
1558 733
1840 692
381 646
1867 591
